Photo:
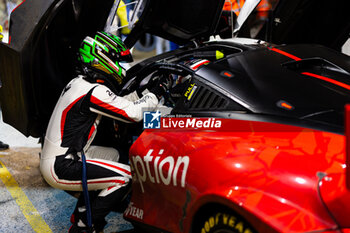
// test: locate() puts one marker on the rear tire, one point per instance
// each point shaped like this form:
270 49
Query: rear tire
223 221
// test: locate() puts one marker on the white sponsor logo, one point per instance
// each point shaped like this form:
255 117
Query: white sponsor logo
143 100
142 167
134 211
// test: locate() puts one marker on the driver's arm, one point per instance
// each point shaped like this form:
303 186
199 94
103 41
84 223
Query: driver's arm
128 108
104 101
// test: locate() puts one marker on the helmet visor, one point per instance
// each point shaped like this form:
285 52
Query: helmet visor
116 52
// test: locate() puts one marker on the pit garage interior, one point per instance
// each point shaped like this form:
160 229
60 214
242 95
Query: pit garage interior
27 202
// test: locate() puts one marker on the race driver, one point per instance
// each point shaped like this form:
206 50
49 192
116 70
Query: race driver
73 126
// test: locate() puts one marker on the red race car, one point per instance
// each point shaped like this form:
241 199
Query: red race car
247 176
253 140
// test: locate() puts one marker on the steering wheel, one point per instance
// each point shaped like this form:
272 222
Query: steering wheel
145 77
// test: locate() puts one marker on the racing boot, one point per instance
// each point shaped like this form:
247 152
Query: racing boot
80 227
80 205
79 218
79 222
77 229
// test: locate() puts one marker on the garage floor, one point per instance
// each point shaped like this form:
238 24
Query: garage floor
27 202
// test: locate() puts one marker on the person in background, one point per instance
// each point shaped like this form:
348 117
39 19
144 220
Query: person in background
1 35
262 12
83 104
3 146
122 14
262 8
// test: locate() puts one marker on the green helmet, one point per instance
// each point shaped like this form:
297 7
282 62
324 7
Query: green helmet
104 53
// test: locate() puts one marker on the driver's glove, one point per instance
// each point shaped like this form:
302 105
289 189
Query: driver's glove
164 83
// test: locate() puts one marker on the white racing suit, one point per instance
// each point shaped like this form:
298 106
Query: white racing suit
72 128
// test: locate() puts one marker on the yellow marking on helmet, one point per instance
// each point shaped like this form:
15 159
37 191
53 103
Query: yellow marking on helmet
101 67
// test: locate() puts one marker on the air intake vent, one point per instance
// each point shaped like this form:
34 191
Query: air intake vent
314 65
208 100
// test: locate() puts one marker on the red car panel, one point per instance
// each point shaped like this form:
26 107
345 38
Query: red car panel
266 169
